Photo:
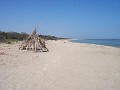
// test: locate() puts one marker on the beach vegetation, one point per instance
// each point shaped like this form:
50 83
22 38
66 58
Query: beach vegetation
9 37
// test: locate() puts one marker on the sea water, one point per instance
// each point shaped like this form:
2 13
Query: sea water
106 42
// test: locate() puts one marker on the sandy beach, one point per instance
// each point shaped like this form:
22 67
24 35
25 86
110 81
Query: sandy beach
67 66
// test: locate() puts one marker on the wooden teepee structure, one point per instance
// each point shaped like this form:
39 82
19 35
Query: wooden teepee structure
35 43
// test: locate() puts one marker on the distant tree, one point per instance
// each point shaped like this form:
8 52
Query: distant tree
2 35
23 36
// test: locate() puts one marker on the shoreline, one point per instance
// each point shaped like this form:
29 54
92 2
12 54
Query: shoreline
98 45
94 43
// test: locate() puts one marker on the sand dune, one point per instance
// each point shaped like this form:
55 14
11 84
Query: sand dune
67 66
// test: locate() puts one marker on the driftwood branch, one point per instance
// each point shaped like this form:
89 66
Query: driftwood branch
35 43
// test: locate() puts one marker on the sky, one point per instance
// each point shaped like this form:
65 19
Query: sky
98 19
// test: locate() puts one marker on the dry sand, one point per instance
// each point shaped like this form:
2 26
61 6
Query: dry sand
67 66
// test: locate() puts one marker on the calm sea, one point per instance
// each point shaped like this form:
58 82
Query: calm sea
106 42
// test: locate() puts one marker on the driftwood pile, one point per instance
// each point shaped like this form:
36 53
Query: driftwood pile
34 43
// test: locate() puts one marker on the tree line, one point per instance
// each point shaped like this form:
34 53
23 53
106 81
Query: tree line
21 36
12 35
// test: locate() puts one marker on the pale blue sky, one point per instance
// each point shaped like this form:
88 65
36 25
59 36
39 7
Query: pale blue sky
62 18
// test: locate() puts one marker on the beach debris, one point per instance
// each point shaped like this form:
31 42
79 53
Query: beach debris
2 53
34 43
